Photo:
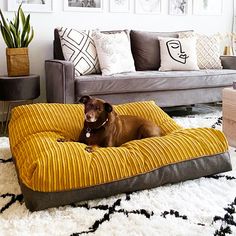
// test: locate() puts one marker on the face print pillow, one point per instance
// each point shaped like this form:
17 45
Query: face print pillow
178 54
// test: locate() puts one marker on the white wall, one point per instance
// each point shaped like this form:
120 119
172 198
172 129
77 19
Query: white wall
41 47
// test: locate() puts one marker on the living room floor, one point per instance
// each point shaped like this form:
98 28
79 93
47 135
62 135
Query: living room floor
194 110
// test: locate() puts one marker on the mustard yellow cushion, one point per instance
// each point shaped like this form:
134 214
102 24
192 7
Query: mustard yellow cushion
46 165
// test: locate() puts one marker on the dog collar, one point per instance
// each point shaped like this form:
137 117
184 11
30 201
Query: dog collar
89 130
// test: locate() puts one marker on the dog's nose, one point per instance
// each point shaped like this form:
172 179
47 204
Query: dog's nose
88 116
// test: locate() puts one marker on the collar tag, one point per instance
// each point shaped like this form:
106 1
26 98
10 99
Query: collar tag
88 134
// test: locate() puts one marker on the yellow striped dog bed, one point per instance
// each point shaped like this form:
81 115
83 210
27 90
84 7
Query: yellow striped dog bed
55 173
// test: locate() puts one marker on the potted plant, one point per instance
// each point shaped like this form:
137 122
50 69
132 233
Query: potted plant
17 35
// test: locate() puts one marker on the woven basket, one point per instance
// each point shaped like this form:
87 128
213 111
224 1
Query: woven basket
17 61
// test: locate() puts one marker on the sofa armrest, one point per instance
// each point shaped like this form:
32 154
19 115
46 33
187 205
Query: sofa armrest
60 81
228 62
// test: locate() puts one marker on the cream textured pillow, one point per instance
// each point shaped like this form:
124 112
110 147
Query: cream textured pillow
114 53
208 50
178 54
78 47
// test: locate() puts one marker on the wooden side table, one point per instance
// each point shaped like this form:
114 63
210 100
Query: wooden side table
229 115
17 89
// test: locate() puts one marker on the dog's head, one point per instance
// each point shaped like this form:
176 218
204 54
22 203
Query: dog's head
95 109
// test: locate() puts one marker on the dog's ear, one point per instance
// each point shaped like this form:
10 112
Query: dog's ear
108 107
84 99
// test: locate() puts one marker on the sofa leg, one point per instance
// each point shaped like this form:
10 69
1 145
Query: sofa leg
189 108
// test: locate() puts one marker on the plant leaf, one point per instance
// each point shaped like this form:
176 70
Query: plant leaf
25 28
4 22
31 37
22 16
17 19
14 34
4 36
18 40
25 39
7 38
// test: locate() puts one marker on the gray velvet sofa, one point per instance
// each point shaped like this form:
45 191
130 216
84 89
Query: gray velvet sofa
171 88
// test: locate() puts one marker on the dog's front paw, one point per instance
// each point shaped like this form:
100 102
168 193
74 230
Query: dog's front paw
89 149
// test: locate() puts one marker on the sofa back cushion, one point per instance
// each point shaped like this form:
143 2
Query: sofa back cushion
146 48
57 50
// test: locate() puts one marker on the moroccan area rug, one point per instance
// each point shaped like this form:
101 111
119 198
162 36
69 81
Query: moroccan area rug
204 206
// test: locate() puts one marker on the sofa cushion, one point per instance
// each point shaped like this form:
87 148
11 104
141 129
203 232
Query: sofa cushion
114 52
208 50
57 50
55 173
178 54
146 49
78 47
148 81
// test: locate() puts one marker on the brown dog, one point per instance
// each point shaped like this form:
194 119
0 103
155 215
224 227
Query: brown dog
105 128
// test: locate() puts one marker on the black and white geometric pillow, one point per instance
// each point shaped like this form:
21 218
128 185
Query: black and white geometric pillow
78 47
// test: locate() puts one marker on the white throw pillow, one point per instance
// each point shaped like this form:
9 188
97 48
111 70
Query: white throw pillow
178 54
114 53
208 50
78 47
